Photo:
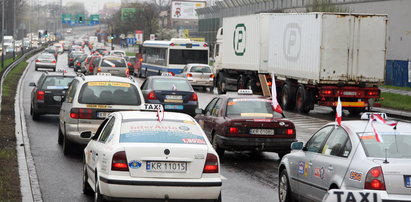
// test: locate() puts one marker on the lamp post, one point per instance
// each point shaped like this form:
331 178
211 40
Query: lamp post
2 35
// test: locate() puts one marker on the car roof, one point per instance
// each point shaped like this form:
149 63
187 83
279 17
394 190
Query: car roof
237 96
197 64
107 78
167 77
126 115
361 126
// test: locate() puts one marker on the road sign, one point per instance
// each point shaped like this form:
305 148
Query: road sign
127 13
139 36
152 37
94 19
131 41
66 18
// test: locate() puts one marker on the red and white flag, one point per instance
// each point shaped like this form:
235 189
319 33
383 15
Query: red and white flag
275 104
380 119
338 115
160 114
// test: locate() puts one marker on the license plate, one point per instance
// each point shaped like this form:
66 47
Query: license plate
174 97
103 114
349 93
262 131
179 107
166 166
407 181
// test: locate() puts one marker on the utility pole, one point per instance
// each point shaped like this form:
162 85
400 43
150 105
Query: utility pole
14 30
2 35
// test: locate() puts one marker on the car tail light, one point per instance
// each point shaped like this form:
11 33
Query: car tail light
269 83
90 68
172 44
129 64
119 162
76 113
71 59
38 60
194 97
211 164
40 95
233 130
99 69
212 76
127 72
141 59
375 179
189 75
373 93
289 131
205 45
326 92
54 61
78 64
152 96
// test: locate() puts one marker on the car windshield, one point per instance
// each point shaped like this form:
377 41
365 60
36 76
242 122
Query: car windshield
171 84
110 93
56 82
200 69
113 62
394 145
251 107
150 131
46 57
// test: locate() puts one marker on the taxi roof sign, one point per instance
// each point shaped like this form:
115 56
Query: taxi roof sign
367 115
103 74
245 92
166 74
152 107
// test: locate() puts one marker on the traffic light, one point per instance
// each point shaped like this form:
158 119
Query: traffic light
80 20
39 35
45 33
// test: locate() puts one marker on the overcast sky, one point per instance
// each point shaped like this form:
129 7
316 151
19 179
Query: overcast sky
92 5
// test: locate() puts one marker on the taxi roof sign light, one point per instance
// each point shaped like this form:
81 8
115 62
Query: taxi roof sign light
152 107
166 74
367 115
245 92
103 74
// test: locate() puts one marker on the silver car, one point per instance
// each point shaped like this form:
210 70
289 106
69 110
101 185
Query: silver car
47 61
199 75
116 66
349 157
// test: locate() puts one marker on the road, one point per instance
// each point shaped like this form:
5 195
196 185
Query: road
246 177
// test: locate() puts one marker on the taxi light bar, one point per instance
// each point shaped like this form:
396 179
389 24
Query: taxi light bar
367 115
103 74
375 179
166 74
211 164
119 162
245 92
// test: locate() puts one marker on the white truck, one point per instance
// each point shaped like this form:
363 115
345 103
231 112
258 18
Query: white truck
8 41
316 57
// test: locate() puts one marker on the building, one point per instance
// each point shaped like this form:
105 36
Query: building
399 28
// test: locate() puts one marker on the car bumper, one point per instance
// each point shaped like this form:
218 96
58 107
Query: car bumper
201 83
197 189
48 66
73 132
263 144
47 109
188 108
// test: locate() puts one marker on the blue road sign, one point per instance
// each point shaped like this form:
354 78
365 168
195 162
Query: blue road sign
131 41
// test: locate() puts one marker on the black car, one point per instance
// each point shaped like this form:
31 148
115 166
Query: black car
174 93
48 93
71 57
79 61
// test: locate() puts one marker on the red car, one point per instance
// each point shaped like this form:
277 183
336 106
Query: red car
246 123
92 63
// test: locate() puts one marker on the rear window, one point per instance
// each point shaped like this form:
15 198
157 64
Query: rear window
394 145
252 107
109 93
151 131
56 82
50 57
171 84
113 62
200 69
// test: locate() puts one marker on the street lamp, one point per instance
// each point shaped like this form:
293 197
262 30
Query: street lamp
2 36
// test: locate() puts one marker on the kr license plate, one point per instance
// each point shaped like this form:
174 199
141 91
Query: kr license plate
407 181
262 131
174 97
103 115
166 166
178 107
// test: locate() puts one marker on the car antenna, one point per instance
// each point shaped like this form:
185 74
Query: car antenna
386 158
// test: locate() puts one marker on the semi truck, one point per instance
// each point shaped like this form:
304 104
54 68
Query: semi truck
315 57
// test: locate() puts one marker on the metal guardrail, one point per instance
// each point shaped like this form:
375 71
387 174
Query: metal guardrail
7 70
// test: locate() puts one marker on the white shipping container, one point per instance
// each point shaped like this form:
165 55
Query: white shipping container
328 48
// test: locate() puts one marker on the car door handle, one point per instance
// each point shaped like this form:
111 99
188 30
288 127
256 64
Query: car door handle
330 168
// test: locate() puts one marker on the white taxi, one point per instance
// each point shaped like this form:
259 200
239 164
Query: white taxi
136 155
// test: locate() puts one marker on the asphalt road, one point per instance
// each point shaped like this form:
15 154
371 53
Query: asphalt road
246 177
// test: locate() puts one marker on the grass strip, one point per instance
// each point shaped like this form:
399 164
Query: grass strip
396 101
397 87
130 54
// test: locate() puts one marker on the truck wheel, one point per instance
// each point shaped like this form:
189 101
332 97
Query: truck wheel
241 83
286 97
356 111
302 100
221 85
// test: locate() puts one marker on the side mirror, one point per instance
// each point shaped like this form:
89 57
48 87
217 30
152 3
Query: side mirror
32 84
86 134
199 111
297 146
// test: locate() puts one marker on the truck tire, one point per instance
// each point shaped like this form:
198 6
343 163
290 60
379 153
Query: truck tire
252 84
356 111
241 83
221 85
287 97
302 100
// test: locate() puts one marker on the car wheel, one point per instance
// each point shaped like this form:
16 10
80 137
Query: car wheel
60 137
67 145
302 100
284 190
219 198
86 186
218 149
98 197
34 115
221 88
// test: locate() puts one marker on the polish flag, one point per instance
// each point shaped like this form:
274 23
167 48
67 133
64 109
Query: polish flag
160 114
275 104
338 115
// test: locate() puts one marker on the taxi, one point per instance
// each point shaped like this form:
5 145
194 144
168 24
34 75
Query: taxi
349 157
246 122
136 155
89 100
174 93
47 93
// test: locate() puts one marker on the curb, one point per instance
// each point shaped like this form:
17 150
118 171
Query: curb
30 187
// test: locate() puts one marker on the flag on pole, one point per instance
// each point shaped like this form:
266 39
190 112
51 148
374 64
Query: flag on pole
275 104
173 88
338 115
380 119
